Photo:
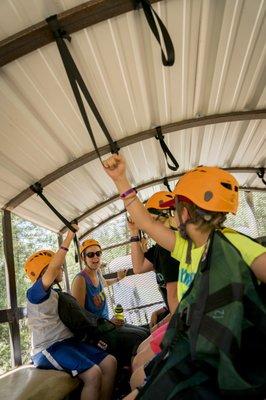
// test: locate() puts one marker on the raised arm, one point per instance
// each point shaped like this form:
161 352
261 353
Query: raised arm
115 167
139 262
57 261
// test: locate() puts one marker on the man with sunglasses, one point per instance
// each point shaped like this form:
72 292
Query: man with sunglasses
88 285
88 289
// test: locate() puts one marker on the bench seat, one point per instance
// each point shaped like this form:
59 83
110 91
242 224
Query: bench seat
30 383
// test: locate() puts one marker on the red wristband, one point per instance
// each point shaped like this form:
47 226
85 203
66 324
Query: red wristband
127 192
63 248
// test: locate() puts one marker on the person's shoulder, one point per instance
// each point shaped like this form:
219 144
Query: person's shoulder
240 238
36 294
248 247
80 276
80 279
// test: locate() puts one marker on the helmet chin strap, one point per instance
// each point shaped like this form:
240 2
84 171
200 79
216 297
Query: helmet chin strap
183 231
59 286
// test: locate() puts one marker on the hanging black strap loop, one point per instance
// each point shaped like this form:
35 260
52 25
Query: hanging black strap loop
150 15
166 184
261 173
159 136
38 189
77 83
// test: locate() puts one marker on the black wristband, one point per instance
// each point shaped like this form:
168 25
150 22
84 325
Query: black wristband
134 239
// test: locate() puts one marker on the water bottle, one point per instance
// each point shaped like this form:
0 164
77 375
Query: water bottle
119 312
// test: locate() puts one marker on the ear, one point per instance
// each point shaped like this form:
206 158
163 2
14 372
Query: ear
185 215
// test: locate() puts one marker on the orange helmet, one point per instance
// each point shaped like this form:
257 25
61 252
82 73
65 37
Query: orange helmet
37 262
210 188
88 243
157 200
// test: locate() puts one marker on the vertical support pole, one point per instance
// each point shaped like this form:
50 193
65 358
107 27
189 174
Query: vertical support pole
77 253
251 213
14 332
60 241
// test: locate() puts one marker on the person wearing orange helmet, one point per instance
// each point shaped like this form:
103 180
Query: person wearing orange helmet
203 198
88 285
53 344
88 289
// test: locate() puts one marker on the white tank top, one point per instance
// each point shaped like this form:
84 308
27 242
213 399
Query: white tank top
45 324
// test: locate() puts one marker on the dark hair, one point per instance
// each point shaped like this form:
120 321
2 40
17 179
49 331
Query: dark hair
205 220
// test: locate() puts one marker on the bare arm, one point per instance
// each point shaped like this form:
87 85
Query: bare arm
57 261
259 267
78 290
139 262
115 167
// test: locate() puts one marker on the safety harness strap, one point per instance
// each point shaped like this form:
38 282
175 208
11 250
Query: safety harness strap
166 183
38 189
220 298
151 15
167 153
219 335
261 173
77 83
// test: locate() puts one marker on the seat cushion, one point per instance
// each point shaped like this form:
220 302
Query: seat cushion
30 383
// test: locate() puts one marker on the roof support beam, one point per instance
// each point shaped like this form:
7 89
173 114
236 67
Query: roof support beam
105 221
73 20
144 135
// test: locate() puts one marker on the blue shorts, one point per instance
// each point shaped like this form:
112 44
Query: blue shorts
69 355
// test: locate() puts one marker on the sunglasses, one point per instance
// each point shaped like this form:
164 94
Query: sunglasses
91 254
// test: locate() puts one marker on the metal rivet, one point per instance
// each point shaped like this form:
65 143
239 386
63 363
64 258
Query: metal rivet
208 196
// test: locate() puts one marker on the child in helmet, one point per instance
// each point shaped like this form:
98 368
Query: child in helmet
203 197
53 345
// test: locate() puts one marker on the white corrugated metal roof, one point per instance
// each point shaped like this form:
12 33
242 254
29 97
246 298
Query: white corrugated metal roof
219 68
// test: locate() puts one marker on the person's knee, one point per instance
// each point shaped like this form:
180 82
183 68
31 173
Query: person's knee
135 363
143 345
109 364
139 360
92 376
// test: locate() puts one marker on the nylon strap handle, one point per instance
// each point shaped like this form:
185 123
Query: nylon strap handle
261 173
38 189
151 15
166 184
77 83
167 153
